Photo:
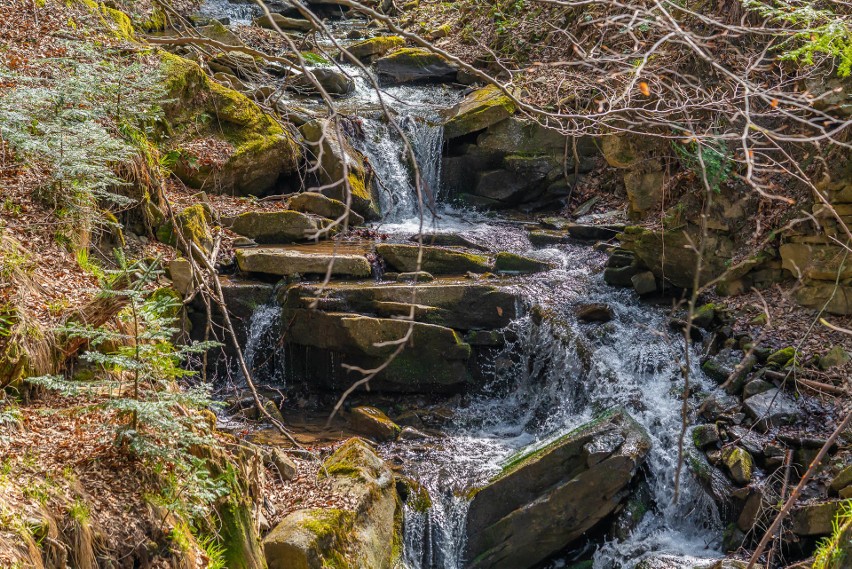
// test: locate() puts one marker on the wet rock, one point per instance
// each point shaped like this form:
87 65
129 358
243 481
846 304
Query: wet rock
815 519
435 260
771 408
621 276
739 463
373 423
594 313
284 262
435 361
485 338
718 404
588 232
318 204
324 537
282 463
755 387
705 435
418 276
513 263
332 81
547 498
546 238
241 241
274 226
283 22
446 240
477 111
412 434
461 306
375 47
644 283
704 316
407 65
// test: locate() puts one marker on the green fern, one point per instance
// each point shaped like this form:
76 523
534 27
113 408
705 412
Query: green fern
815 31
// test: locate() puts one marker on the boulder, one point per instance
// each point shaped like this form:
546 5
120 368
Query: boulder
283 22
288 262
445 240
835 357
363 536
318 204
333 81
193 223
644 283
371 422
414 64
375 47
739 463
545 499
180 271
256 150
820 262
283 464
435 260
477 111
705 435
513 263
594 313
771 408
336 157
834 299
519 135
434 359
815 519
282 226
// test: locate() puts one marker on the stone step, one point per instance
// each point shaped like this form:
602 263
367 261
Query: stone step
291 262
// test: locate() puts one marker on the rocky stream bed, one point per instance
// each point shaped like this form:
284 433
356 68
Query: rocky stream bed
533 418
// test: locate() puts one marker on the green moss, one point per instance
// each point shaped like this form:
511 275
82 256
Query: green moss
782 357
194 226
416 56
114 19
375 46
314 58
522 458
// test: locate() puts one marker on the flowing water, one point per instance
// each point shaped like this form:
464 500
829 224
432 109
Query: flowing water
554 374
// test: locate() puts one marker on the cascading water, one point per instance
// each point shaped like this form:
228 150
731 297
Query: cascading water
263 354
554 375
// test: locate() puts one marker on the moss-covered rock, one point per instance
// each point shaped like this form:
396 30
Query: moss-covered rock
193 223
342 168
375 47
414 64
113 19
739 463
546 498
782 357
364 536
373 423
479 110
835 357
514 263
318 204
671 256
256 150
281 226
435 260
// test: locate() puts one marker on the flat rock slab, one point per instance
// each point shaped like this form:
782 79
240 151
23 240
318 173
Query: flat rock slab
273 227
288 262
771 408
457 305
435 260
546 498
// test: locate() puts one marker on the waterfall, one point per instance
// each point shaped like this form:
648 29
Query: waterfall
390 161
554 375
263 353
